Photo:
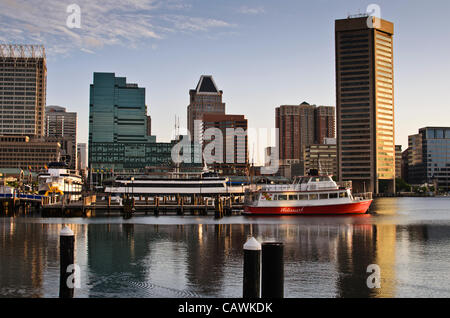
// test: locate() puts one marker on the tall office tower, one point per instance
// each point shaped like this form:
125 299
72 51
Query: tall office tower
296 124
429 157
118 139
23 84
325 123
61 126
234 151
365 103
117 111
206 98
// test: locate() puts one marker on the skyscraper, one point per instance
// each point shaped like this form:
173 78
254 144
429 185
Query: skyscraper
23 84
61 126
118 140
296 130
206 98
300 126
117 110
365 102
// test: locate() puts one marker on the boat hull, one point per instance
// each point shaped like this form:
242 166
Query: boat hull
360 207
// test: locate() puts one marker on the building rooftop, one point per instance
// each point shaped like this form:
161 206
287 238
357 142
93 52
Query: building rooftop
206 85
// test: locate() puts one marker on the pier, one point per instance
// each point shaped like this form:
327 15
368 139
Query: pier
12 203
217 206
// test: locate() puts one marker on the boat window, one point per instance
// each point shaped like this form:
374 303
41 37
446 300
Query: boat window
293 197
303 197
313 196
333 195
315 179
304 180
282 197
325 178
343 194
323 196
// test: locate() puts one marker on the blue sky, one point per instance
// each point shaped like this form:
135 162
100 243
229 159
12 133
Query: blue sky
262 54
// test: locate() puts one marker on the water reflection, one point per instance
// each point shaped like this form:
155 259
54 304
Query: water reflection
205 260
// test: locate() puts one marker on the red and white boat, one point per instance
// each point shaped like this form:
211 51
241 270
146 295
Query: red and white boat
312 194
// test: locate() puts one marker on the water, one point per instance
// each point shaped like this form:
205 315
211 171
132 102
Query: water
178 257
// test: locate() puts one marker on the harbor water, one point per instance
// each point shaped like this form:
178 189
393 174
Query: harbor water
197 256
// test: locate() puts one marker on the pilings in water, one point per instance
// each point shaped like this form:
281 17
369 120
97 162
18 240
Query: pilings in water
252 269
263 270
66 263
272 270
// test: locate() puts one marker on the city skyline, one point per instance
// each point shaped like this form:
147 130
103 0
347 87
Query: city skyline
260 61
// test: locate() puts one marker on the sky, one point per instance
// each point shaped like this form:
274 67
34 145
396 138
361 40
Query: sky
261 53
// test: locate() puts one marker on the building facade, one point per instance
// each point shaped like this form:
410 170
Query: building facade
206 98
25 153
365 103
23 86
233 155
82 158
398 161
298 127
429 157
321 157
61 126
118 131
325 123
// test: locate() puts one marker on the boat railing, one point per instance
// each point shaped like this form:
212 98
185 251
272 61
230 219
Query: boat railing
363 196
344 184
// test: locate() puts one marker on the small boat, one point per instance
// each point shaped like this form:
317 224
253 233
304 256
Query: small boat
312 194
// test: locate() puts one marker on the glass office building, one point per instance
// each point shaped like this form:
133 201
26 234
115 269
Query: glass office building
429 157
118 139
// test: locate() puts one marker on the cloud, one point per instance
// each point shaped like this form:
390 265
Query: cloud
102 23
252 11
194 24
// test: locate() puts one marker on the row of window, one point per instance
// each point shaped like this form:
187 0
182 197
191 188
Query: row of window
312 196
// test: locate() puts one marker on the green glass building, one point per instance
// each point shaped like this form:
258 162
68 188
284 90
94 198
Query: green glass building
118 140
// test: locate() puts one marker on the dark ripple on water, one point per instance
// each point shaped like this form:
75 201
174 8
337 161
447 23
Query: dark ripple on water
139 289
149 289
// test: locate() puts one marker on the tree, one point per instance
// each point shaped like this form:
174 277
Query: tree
402 186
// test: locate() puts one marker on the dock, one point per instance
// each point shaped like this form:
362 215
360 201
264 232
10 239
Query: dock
218 206
11 203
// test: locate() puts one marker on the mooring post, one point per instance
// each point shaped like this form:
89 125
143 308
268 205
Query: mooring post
272 270
66 261
252 269
156 212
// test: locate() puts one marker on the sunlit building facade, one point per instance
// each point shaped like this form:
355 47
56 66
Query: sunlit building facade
365 103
